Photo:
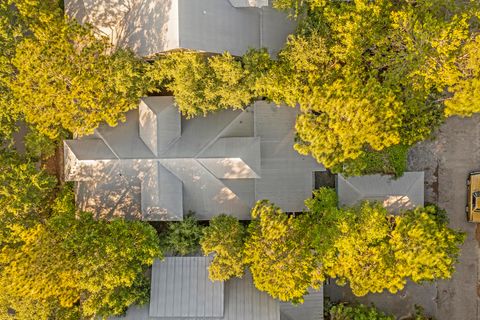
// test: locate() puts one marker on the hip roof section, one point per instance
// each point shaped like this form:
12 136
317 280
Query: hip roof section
396 194
221 163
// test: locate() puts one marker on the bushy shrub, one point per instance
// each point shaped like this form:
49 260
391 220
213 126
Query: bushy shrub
183 237
391 160
357 312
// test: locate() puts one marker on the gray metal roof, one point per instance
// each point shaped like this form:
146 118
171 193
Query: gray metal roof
287 177
221 163
405 192
152 26
180 289
310 309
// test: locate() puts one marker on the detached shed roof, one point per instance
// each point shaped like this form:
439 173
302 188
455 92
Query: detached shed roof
181 290
153 26
403 193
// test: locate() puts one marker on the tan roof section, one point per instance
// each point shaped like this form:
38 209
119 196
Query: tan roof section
403 193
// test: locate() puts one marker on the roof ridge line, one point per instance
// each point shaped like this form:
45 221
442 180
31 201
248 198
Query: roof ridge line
209 144
97 130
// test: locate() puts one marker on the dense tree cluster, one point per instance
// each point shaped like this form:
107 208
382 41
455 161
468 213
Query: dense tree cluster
224 238
279 253
364 246
369 77
58 263
59 76
379 73
204 84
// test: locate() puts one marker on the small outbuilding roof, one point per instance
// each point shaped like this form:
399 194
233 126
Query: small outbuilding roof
154 26
181 290
396 194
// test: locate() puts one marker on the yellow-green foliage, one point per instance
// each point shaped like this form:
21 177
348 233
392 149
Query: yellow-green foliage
278 253
224 238
424 248
73 258
373 250
23 191
466 87
64 78
203 84
365 247
361 254
369 75
67 80
25 309
351 115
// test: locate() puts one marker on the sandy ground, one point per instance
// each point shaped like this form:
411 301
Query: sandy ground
446 160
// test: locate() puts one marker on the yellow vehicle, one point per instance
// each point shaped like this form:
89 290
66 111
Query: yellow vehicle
473 197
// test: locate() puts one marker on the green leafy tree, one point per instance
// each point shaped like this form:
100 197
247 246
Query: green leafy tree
373 250
279 254
11 32
224 238
73 261
24 192
39 146
465 89
370 75
391 160
361 254
59 73
424 247
183 237
203 84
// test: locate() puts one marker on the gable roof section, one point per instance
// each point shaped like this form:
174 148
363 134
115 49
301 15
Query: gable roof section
161 194
233 158
403 193
159 123
154 26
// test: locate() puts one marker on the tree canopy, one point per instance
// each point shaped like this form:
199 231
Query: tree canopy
204 84
224 237
279 255
59 76
58 263
373 250
363 246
